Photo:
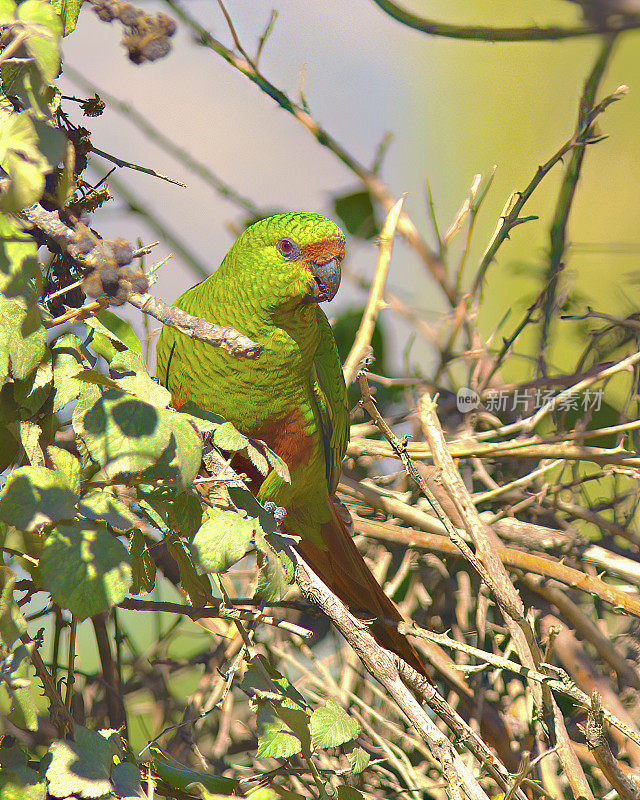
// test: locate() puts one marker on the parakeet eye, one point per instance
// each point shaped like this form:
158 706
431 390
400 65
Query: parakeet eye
288 248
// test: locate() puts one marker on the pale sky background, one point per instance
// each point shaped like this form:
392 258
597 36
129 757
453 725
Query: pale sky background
455 108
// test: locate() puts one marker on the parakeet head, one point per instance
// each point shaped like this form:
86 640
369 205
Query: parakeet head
297 255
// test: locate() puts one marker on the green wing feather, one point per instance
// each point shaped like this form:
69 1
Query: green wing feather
330 395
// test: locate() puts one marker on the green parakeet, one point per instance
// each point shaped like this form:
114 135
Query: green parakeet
293 397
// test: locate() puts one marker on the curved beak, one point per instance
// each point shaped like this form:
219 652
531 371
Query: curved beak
327 277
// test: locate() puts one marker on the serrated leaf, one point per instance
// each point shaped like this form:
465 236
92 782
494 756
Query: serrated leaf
276 739
125 778
104 506
224 538
44 27
122 433
18 261
186 513
125 434
276 567
82 766
84 568
67 466
21 159
34 496
358 759
21 355
33 392
12 623
23 711
117 329
331 726
197 586
130 373
143 567
181 777
263 680
68 11
68 361
30 433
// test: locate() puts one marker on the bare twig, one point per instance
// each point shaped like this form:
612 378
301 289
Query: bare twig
367 324
626 785
484 33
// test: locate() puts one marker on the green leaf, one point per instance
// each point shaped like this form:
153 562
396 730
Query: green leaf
121 433
15 790
7 12
264 682
30 433
349 793
276 568
130 373
17 780
181 777
124 434
33 392
12 623
357 213
331 726
226 437
45 27
102 505
23 711
82 766
52 142
116 329
68 11
21 159
18 261
125 778
67 466
276 737
20 354
197 586
224 538
186 513
358 759
84 568
68 361
34 496
143 567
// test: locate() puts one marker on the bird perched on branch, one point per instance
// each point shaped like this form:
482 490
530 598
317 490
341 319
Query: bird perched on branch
293 397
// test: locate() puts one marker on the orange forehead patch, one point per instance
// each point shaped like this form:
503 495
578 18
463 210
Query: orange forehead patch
324 250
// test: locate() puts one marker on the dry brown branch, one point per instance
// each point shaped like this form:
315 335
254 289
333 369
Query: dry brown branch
561 683
367 324
515 559
195 327
627 786
589 631
71 240
387 669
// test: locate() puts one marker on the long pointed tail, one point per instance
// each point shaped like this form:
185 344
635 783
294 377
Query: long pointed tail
344 571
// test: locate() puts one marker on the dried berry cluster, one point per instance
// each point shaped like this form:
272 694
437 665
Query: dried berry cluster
111 274
146 37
